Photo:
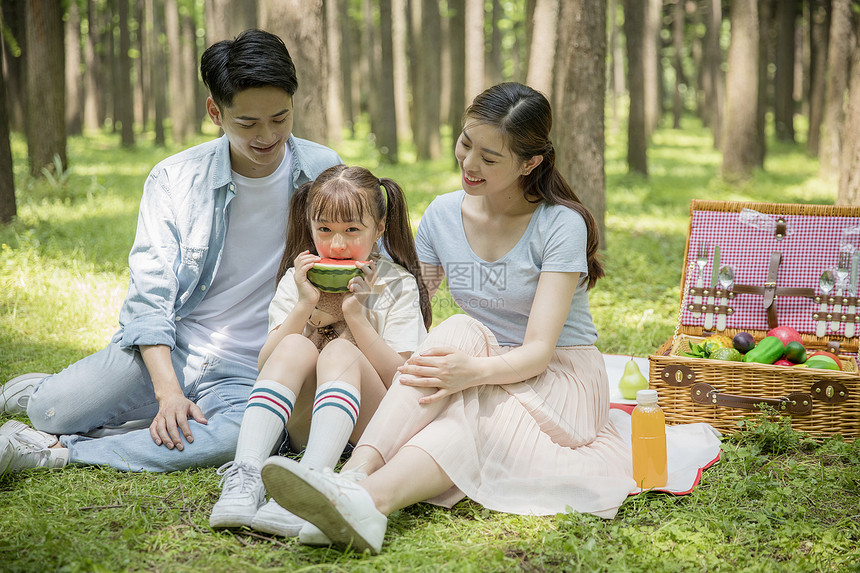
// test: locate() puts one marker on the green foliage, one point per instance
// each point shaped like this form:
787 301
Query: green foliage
777 501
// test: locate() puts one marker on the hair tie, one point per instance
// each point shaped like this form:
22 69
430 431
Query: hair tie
384 191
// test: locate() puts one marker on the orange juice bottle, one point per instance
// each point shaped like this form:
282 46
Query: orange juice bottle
649 441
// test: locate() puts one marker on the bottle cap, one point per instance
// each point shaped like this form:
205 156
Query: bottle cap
646 396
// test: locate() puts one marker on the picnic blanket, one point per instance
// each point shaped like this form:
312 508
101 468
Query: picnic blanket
691 448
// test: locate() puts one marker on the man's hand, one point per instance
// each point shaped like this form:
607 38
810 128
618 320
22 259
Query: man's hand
174 408
171 422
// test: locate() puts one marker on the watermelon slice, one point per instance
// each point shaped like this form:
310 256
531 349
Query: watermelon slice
333 275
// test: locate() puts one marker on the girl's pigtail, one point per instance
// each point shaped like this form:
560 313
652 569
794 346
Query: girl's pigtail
399 242
299 236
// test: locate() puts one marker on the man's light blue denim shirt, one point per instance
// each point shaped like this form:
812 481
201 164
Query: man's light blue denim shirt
181 228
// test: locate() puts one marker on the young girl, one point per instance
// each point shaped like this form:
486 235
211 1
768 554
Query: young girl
329 358
508 404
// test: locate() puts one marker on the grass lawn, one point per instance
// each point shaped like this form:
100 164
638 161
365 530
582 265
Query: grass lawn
776 502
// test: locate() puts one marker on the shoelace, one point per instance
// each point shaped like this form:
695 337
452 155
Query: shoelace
30 454
27 440
237 476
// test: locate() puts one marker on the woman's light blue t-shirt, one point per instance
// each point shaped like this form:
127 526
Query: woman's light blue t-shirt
500 293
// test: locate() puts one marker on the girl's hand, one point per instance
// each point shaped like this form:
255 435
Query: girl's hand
447 369
359 294
303 263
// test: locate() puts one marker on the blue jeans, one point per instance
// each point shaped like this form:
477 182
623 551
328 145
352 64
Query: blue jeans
112 387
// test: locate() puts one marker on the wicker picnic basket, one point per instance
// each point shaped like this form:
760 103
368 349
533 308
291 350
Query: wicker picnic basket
778 253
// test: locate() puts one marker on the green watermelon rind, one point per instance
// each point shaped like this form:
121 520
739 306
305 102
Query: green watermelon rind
332 278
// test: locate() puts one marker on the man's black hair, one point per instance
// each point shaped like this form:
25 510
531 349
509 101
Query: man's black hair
254 59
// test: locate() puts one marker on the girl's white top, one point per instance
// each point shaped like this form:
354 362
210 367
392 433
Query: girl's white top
392 308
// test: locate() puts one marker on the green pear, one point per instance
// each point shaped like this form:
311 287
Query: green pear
632 381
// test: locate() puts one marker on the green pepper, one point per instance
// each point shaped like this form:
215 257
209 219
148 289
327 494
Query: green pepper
768 351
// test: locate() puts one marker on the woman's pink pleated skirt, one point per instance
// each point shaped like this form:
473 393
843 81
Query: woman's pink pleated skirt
538 447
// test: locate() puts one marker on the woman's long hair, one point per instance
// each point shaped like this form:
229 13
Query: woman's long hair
342 193
523 116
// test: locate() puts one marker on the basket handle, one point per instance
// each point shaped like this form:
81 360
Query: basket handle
796 403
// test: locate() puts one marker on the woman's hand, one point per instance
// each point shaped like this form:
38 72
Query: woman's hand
303 263
447 369
171 423
359 294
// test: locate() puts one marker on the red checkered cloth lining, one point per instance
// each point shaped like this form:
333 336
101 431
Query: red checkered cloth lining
812 245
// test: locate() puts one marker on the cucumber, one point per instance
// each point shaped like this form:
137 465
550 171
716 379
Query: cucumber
768 351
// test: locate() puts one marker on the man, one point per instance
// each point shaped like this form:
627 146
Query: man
210 237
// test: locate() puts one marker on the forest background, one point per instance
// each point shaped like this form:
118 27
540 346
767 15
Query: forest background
410 67
647 93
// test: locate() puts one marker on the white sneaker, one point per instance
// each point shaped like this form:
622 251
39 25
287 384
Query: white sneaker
342 509
242 494
274 519
23 448
15 393
312 535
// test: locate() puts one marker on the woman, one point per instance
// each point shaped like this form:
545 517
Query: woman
509 404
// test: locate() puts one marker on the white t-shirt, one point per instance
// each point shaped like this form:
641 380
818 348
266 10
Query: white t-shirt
395 313
230 321
500 293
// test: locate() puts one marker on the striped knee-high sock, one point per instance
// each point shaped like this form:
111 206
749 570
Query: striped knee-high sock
269 407
334 415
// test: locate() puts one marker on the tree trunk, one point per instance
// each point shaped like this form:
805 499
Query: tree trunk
739 128
196 100
819 26
370 65
16 80
91 90
713 55
474 48
428 144
386 135
457 10
542 51
637 139
849 171
350 97
616 73
493 72
125 100
8 208
155 13
401 74
783 81
582 149
678 45
180 126
74 88
766 49
651 65
300 24
225 19
46 123
838 55
334 91
567 11
142 87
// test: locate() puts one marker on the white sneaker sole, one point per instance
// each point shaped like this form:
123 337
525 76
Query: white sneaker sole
291 485
225 520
